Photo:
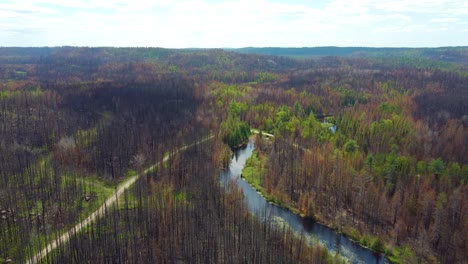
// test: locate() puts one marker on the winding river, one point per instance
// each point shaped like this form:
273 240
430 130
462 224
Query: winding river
269 212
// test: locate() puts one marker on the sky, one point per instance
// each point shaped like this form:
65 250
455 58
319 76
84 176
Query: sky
234 23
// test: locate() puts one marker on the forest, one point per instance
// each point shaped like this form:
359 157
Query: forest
369 142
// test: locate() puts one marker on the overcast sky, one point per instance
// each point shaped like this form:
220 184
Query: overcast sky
234 23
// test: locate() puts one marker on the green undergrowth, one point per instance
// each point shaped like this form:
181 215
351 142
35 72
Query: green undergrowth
400 254
181 196
254 170
131 173
368 241
95 192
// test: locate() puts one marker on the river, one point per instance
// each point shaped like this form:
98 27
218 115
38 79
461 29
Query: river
266 211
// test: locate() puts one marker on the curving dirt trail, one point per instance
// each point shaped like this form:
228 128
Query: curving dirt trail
102 210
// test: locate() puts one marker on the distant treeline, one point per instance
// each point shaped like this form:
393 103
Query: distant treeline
445 54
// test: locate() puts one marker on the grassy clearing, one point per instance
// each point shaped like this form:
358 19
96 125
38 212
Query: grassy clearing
254 170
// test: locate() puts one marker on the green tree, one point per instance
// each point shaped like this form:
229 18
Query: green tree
454 172
238 109
370 162
311 128
283 116
391 173
234 132
389 109
262 77
421 167
436 166
298 110
268 125
351 146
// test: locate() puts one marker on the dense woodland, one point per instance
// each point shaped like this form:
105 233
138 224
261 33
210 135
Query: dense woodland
372 145
179 214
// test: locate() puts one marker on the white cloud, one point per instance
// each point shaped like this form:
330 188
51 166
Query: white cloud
199 23
416 6
445 20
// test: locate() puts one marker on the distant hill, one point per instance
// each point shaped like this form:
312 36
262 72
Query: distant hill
457 55
316 51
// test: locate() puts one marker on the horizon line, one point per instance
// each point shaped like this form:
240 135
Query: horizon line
232 48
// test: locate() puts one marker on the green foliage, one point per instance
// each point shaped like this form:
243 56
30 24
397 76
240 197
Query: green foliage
292 126
311 127
230 76
402 255
464 174
372 242
283 115
351 232
237 109
351 97
6 94
337 154
391 172
325 135
254 170
263 77
454 171
330 119
32 90
421 167
389 109
285 120
440 203
225 94
298 110
351 146
181 196
292 120
436 166
173 69
348 98
370 162
268 125
392 89
234 132
131 173
384 133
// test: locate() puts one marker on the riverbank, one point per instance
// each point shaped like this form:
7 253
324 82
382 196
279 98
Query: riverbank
254 172
268 209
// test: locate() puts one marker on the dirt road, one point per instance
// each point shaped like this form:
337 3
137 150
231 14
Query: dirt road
101 210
